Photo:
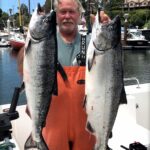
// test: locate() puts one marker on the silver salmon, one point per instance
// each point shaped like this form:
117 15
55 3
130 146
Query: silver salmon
40 73
104 87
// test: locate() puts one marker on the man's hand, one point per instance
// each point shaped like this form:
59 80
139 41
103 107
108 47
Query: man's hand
104 17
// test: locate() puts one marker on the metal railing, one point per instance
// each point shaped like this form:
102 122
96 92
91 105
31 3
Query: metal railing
133 79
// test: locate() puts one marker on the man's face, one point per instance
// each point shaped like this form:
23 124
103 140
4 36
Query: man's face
67 16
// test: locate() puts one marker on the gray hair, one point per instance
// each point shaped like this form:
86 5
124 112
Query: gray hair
80 8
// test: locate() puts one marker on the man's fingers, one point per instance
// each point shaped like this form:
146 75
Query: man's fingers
104 17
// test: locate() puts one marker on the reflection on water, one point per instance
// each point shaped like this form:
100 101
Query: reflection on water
136 64
9 77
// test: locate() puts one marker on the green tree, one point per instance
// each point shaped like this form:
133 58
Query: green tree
3 19
147 25
1 12
139 17
25 17
24 9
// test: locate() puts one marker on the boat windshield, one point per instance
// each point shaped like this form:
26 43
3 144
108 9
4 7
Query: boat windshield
138 33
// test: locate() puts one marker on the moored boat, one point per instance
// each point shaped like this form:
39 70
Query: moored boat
135 38
17 40
4 43
4 35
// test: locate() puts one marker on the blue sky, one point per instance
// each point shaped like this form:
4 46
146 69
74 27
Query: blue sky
5 5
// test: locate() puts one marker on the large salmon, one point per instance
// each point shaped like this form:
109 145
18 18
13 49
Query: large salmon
40 63
104 86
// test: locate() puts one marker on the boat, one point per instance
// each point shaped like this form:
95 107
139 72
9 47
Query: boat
17 40
129 125
135 38
4 35
146 33
4 43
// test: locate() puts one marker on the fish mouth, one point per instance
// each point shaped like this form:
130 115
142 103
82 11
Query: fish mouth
39 9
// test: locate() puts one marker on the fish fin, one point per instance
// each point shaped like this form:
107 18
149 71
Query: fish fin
30 143
89 127
108 148
84 101
110 135
90 61
22 87
123 98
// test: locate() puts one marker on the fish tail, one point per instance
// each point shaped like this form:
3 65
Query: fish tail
30 143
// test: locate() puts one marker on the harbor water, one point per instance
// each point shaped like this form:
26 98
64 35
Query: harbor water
136 64
9 76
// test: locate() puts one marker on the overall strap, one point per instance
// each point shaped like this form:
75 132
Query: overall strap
81 56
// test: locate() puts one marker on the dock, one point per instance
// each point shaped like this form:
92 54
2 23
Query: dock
127 47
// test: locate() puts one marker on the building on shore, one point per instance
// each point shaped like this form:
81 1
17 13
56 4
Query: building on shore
136 4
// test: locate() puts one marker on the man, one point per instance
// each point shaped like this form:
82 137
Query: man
66 120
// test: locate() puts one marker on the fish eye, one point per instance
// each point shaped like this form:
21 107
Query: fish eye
45 20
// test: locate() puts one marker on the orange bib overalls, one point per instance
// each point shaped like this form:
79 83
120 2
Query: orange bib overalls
66 119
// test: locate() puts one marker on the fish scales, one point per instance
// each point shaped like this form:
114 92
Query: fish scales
40 63
104 87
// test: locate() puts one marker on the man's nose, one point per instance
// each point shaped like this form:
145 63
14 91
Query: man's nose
67 14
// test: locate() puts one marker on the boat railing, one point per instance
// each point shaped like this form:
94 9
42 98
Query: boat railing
133 79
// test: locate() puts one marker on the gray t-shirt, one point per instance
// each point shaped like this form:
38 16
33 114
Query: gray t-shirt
67 52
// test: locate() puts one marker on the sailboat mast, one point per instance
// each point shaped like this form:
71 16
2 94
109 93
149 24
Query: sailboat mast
29 6
20 22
